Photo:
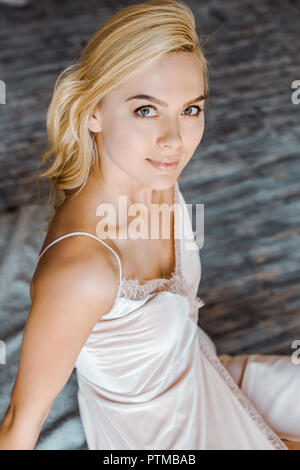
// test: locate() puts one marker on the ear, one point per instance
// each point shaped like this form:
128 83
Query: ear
94 121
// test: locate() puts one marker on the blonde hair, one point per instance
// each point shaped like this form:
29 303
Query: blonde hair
131 39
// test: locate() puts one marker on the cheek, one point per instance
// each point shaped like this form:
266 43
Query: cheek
133 134
200 127
201 132
125 139
194 133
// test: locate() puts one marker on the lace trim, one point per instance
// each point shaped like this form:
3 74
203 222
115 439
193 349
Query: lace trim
198 302
132 289
176 283
246 404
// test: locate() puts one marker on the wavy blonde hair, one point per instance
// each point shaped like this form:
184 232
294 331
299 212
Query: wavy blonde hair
131 39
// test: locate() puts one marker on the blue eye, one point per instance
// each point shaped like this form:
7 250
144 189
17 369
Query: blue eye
199 110
141 108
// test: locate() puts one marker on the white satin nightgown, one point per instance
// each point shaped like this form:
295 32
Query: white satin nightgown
150 378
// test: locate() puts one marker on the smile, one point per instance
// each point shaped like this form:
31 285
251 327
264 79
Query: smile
165 167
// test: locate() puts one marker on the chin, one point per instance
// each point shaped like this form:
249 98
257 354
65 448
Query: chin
163 183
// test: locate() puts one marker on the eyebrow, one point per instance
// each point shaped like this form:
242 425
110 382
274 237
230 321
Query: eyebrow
163 103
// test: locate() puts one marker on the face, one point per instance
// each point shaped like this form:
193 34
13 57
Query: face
130 132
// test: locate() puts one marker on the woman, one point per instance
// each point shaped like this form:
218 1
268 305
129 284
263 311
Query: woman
123 122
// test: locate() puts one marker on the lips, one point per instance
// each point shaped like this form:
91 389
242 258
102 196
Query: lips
164 161
164 166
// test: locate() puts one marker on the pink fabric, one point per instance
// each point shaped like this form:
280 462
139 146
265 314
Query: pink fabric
150 378
272 384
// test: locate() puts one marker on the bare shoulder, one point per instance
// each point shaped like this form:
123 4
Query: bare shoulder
74 285
79 266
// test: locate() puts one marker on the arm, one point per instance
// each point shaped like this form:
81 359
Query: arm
69 299
21 433
272 384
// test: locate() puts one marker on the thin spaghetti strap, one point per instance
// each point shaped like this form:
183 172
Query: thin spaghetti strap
90 235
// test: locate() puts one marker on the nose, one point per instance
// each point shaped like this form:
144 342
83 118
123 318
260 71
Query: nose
170 135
